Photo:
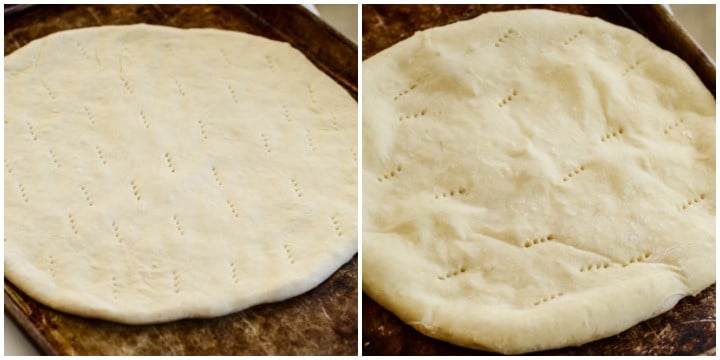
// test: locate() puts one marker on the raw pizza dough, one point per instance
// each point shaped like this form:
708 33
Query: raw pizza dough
154 173
534 180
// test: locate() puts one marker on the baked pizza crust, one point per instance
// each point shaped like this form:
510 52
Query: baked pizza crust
534 180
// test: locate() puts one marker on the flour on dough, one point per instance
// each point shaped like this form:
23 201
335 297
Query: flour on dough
534 180
154 173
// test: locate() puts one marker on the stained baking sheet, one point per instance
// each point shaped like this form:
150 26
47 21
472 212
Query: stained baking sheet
689 328
322 321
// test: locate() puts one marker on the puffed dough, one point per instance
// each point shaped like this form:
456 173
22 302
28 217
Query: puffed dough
534 180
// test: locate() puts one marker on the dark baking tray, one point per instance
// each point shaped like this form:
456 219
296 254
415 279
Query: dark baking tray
322 321
689 328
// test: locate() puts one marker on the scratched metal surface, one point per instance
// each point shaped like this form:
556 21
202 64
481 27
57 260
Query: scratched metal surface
322 321
688 329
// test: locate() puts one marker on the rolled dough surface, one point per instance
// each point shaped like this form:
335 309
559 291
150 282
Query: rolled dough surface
154 173
534 180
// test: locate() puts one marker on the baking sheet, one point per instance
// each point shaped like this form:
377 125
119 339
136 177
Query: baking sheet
689 328
322 321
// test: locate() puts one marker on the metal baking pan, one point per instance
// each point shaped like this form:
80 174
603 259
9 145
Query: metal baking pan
689 328
322 321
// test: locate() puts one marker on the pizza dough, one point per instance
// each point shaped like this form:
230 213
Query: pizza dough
154 173
534 180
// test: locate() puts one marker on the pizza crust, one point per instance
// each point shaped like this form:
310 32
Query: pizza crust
534 180
154 173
